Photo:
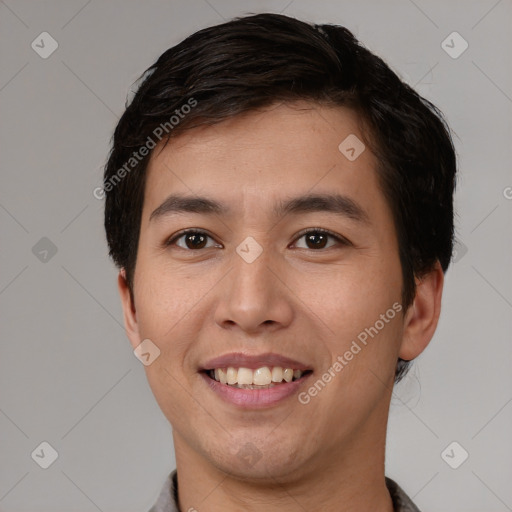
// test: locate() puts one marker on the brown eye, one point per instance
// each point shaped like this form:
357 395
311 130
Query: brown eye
316 240
190 240
319 238
195 240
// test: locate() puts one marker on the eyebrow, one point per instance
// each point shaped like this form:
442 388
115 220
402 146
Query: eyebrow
334 203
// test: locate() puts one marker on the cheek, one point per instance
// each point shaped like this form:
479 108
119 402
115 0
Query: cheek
353 296
358 311
164 298
165 315
172 309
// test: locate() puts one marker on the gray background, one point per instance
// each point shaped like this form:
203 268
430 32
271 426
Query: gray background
67 372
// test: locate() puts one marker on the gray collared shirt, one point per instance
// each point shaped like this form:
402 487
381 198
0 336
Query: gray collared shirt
168 499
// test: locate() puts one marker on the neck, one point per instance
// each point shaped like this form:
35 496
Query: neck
349 479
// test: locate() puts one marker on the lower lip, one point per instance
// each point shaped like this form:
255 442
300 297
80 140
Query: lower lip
255 398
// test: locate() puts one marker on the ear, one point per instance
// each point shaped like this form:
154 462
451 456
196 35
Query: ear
422 316
129 313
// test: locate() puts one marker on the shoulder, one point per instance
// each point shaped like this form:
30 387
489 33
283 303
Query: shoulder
168 498
401 502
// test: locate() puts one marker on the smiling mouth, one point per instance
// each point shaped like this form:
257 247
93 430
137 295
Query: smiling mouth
261 378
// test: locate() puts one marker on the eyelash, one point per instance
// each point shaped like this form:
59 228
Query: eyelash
341 240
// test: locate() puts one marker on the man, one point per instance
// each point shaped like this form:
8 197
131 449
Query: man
280 206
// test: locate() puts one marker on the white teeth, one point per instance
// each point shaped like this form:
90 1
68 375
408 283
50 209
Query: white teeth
244 376
264 376
277 374
231 375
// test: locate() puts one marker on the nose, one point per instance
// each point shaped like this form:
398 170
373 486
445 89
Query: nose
254 296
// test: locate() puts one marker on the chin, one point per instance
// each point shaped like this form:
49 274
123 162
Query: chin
256 461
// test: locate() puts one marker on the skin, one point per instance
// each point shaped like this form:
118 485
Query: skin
303 302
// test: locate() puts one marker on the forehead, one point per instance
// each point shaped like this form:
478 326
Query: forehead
261 158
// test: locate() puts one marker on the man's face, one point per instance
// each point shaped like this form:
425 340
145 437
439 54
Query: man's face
307 296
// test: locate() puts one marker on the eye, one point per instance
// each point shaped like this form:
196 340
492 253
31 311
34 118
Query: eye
193 239
317 238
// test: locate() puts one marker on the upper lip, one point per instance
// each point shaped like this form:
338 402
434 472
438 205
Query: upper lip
241 360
